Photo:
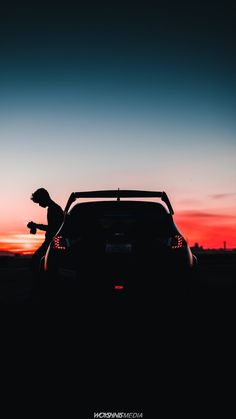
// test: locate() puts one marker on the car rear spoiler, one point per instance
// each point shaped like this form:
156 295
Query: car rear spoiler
119 193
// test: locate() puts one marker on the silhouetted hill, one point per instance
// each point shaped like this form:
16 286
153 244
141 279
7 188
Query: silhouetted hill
6 253
12 260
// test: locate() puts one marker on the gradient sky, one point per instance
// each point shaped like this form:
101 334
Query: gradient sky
111 95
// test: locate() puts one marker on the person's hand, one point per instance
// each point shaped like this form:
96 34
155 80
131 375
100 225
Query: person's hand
31 224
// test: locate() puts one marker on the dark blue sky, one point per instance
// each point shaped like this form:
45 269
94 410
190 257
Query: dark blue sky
117 56
113 38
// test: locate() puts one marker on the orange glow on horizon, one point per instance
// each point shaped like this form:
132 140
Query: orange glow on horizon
20 243
209 230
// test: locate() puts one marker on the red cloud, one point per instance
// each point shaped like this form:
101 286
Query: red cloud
223 195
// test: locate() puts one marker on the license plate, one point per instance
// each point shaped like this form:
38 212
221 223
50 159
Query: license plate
118 248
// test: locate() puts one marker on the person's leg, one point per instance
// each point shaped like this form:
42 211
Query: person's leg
36 258
35 269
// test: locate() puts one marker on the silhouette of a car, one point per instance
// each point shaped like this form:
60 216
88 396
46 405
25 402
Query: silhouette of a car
119 243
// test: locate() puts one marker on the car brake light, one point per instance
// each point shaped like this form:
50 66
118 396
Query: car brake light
177 242
118 287
59 243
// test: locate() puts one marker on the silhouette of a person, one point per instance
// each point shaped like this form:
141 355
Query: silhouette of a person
54 217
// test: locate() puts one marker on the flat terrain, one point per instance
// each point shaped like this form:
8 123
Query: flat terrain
214 281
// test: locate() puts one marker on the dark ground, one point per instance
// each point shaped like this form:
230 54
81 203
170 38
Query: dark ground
176 354
214 281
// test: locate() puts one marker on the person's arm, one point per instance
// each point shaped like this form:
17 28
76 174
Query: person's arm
41 227
38 226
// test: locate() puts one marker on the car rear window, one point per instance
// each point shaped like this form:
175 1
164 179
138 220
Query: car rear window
123 216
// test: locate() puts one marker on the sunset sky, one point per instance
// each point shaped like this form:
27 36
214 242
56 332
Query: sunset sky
110 95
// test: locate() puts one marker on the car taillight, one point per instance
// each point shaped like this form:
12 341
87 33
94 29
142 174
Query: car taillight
177 242
59 243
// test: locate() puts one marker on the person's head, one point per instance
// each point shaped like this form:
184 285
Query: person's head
41 197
